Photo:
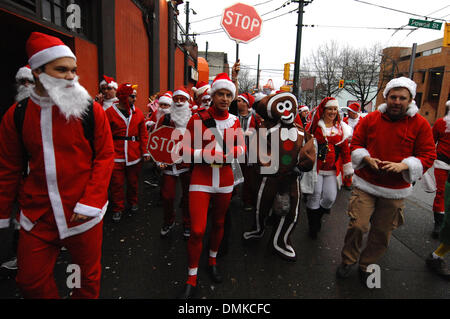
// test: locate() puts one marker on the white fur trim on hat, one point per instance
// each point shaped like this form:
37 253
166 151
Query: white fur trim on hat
181 92
24 73
244 98
331 103
304 108
50 54
223 84
401 82
199 91
349 109
165 100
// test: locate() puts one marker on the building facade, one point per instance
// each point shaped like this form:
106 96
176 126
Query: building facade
431 73
134 41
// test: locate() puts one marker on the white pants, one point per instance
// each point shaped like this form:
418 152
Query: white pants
325 192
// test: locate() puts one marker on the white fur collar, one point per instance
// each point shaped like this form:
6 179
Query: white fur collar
346 130
412 108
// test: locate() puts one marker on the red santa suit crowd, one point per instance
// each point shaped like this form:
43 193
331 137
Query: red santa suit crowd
64 197
441 135
130 137
352 119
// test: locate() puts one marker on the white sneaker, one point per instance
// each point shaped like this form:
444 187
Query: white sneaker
11 264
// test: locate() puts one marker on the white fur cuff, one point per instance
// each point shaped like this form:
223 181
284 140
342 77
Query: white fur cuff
4 223
348 169
358 156
415 170
87 210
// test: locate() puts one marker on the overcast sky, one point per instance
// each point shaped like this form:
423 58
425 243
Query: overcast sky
277 42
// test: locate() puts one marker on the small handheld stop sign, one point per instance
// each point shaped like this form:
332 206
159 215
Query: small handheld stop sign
164 145
241 22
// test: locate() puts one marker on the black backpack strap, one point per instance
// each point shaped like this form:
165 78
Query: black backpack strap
166 120
210 123
88 122
19 118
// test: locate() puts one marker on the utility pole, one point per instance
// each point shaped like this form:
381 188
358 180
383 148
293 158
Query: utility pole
257 77
411 61
206 52
295 84
186 68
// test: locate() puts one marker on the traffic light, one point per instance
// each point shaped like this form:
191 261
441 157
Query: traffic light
341 84
287 72
446 41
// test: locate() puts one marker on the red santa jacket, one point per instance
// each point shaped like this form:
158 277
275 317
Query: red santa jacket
442 139
129 134
66 175
408 140
212 178
338 159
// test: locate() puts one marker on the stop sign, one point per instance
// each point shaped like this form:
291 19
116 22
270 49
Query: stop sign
241 22
163 144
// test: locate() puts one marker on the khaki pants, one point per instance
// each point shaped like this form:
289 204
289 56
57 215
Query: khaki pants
382 214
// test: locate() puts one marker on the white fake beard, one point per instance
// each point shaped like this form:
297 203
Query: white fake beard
161 112
205 105
23 91
180 114
70 97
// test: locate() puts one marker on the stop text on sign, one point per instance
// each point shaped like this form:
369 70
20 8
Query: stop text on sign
234 18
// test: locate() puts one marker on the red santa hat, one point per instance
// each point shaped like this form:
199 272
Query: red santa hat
43 48
109 81
222 81
303 108
401 82
123 92
166 98
318 113
182 91
24 73
354 107
247 98
200 89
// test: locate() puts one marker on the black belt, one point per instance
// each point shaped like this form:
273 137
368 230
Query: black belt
126 138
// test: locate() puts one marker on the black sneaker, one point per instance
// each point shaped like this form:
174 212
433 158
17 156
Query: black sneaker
344 270
363 275
117 216
438 266
165 230
134 208
186 233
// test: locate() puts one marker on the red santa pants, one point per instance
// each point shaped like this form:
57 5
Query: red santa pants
122 175
37 254
168 192
441 177
198 208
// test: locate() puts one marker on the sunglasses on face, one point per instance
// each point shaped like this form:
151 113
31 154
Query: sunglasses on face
25 81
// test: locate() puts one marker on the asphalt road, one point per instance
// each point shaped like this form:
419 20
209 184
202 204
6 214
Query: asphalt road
138 264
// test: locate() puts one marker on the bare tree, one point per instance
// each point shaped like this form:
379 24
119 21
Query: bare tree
361 71
246 81
326 63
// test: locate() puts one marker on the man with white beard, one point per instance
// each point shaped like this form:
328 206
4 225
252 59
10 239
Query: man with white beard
24 86
178 116
64 197
24 83
164 103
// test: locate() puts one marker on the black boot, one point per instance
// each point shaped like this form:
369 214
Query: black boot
215 274
438 219
313 222
188 292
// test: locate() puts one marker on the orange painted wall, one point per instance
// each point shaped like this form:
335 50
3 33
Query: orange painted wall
87 65
179 68
163 45
132 50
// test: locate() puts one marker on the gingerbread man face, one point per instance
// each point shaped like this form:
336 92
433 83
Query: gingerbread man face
282 107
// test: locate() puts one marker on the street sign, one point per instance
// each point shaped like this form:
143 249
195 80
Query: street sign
425 24
241 22
163 144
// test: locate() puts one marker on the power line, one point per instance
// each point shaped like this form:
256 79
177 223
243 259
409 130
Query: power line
219 15
357 27
401 11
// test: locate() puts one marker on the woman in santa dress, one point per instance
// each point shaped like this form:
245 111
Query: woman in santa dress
333 161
